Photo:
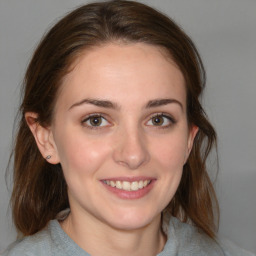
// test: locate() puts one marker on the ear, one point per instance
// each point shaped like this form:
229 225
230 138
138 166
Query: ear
192 134
43 137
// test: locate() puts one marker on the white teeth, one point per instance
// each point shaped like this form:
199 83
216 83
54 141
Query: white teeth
126 185
119 184
134 186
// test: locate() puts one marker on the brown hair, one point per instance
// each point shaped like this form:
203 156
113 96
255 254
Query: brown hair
40 190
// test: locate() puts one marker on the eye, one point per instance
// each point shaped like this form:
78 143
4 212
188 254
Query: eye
94 121
161 120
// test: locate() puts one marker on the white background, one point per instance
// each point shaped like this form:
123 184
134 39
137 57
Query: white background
225 33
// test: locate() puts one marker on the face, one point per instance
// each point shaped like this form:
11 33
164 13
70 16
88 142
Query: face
121 134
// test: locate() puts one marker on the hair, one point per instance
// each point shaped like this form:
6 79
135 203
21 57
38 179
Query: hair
39 190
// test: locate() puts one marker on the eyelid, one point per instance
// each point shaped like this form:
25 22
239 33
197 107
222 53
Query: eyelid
101 115
170 118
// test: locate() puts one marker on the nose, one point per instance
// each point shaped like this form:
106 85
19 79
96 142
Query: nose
131 150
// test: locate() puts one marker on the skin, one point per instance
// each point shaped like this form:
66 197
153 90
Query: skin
135 80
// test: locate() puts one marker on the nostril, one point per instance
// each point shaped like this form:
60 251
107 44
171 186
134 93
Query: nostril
131 152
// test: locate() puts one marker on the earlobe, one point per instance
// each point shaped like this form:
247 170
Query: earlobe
43 137
192 134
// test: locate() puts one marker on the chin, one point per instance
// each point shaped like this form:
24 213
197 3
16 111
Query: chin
132 220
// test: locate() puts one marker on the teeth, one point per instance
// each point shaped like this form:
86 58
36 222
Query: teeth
119 185
112 184
126 185
134 186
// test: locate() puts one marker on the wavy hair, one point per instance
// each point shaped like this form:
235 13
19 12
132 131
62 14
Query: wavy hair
40 190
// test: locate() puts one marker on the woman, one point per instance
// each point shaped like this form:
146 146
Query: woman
110 157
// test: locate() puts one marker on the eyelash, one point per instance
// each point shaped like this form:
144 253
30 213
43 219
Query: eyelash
170 119
90 117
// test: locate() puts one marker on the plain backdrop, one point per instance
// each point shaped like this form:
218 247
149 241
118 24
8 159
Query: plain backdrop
225 34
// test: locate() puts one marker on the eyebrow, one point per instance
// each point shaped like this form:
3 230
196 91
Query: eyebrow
162 102
96 102
112 105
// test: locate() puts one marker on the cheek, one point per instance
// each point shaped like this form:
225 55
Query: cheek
169 157
171 152
81 155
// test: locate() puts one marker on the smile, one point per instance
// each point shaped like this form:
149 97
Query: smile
126 185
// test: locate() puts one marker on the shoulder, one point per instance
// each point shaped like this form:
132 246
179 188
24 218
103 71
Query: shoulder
231 249
193 242
39 244
188 240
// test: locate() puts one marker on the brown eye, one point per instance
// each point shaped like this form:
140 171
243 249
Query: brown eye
95 120
161 120
157 120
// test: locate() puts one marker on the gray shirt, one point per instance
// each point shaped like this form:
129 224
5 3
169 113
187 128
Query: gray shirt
183 240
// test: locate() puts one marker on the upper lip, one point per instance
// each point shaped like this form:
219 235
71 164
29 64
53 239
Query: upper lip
130 179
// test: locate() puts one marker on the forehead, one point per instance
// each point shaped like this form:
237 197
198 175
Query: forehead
118 71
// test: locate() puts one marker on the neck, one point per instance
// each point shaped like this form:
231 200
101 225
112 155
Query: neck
91 233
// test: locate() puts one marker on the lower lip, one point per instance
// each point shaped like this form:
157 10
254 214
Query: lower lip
123 194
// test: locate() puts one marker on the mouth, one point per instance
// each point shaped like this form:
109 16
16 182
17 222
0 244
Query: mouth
127 185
